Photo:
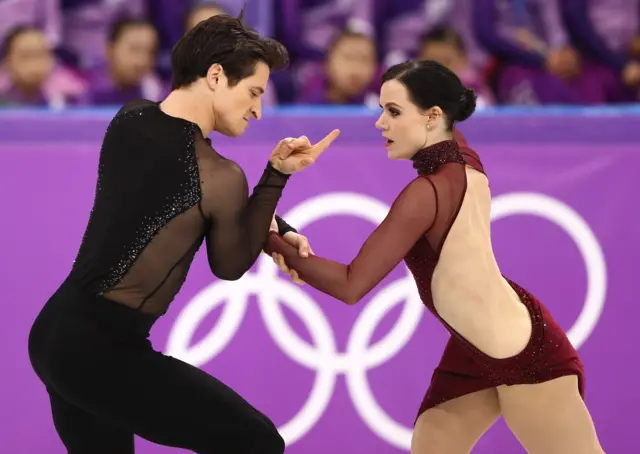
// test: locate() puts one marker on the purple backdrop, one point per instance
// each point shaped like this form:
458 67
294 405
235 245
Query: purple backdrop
296 361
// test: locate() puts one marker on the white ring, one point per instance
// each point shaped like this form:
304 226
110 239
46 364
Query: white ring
577 228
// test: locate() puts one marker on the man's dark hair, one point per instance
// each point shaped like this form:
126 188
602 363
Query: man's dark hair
119 26
227 41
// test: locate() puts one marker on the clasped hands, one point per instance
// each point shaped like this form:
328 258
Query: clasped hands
296 240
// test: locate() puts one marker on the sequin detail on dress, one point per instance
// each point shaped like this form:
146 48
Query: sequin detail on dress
428 160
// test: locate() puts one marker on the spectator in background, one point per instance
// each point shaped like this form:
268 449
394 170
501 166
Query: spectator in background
30 76
28 60
635 47
401 23
44 14
350 72
308 27
459 17
536 63
87 24
201 12
605 31
445 46
128 75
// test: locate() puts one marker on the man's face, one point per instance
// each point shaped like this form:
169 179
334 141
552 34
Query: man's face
235 106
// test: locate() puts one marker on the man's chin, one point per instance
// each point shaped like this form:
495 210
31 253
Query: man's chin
237 132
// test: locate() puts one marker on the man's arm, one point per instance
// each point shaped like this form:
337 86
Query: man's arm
238 225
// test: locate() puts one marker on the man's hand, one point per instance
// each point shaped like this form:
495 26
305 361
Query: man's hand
274 225
302 244
292 155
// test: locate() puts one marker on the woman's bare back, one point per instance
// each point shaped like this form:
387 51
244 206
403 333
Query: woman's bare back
468 290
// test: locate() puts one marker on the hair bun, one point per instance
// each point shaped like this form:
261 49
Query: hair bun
467 105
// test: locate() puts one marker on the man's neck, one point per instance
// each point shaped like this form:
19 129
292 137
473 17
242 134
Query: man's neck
186 104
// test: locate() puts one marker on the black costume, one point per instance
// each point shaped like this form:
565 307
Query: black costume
161 190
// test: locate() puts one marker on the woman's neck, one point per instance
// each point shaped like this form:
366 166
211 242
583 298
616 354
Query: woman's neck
437 137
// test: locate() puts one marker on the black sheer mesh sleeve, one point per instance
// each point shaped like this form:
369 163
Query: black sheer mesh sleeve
283 227
238 225
162 189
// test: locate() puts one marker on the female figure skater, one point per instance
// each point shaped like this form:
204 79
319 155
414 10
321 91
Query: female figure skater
506 354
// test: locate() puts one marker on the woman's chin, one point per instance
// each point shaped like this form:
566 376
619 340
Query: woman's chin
396 155
391 153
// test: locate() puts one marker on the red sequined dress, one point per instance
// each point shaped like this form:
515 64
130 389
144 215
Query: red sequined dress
420 220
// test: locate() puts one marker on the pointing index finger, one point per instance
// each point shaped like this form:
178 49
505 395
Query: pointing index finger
319 147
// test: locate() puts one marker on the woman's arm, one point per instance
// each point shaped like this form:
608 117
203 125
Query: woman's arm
410 217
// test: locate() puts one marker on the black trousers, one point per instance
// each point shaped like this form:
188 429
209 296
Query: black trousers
106 384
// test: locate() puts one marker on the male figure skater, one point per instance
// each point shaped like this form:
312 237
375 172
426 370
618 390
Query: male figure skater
162 189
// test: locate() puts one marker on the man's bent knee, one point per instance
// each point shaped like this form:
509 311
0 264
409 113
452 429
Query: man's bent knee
267 438
274 443
269 442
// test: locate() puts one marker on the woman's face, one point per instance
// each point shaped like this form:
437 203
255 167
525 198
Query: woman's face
403 124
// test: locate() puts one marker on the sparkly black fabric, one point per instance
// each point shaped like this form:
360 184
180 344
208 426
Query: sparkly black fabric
161 190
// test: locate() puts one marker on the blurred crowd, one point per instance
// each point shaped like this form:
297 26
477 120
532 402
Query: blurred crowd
61 53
